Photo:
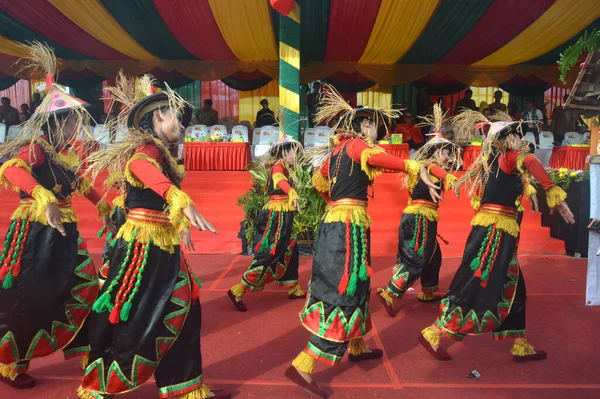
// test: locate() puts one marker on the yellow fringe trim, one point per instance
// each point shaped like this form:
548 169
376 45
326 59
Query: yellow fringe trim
7 371
85 186
165 236
475 202
103 208
519 205
522 348
432 336
42 198
295 290
238 290
413 170
32 213
358 346
293 196
320 182
85 361
201 393
114 177
279 206
372 172
304 362
449 180
426 296
130 177
340 213
13 163
181 169
530 190
386 295
277 177
70 159
555 196
504 223
83 393
430 213
178 201
119 201
520 161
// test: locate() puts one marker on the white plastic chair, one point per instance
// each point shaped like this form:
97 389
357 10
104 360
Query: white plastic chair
13 132
586 138
2 132
546 140
256 135
268 135
188 132
101 135
322 135
572 138
529 136
309 137
120 133
259 150
200 132
239 132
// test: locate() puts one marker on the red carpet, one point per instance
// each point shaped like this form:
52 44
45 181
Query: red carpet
216 194
248 352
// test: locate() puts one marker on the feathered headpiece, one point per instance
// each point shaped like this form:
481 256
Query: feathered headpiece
431 150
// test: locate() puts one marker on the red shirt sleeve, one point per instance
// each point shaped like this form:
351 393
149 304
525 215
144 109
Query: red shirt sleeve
324 169
282 184
93 196
508 162
535 167
147 172
355 148
19 177
438 172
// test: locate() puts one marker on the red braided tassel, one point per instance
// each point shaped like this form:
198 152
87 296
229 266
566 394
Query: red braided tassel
115 314
343 283
3 271
477 273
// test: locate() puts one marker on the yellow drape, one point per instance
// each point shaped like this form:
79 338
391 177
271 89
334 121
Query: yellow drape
246 28
378 96
563 20
249 101
13 48
93 18
486 94
399 23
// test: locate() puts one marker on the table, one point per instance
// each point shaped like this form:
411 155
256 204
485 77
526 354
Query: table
216 156
569 157
401 151
470 155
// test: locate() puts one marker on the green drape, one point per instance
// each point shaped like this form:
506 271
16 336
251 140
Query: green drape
191 92
143 22
246 85
405 94
449 24
314 28
5 83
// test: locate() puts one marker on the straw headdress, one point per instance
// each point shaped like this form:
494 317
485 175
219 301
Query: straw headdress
431 150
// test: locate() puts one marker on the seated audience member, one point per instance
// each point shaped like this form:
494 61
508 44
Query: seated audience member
25 114
513 111
533 117
9 115
563 121
411 133
37 100
497 104
465 103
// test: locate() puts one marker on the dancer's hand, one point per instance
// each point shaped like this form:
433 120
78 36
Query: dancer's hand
534 203
432 187
565 212
456 189
53 215
197 220
297 206
108 224
186 240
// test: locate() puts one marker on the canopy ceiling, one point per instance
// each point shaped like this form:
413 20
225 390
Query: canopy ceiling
479 43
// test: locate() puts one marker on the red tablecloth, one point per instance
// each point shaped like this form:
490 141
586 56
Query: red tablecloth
216 156
569 157
470 155
401 151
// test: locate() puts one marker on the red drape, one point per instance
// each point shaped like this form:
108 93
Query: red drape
569 157
449 101
351 98
510 17
19 93
42 17
185 16
225 99
350 27
216 156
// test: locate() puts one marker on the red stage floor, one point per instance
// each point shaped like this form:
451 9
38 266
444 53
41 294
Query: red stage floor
248 352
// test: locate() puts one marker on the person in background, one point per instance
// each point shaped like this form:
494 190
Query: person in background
411 133
513 111
207 115
313 100
563 121
25 114
423 103
97 109
265 116
9 115
37 100
533 117
465 103
487 112
497 104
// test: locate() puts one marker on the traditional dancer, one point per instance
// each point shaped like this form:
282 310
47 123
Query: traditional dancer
276 256
488 293
147 318
48 278
419 252
336 311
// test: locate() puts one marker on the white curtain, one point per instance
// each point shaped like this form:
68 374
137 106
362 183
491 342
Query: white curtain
592 295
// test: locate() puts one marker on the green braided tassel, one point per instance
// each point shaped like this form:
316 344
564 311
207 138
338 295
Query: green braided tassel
363 274
265 241
352 285
475 264
8 281
413 241
125 311
101 232
102 304
485 274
